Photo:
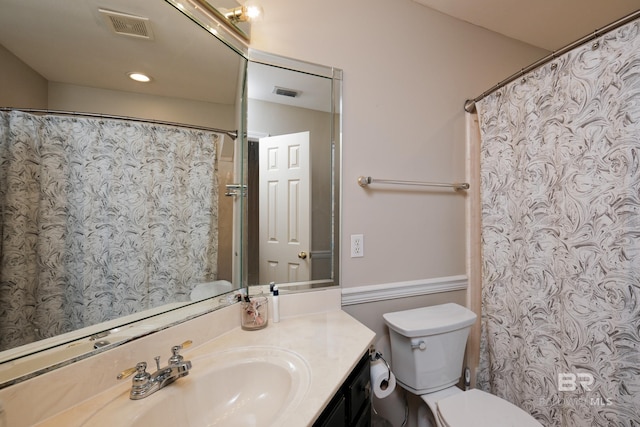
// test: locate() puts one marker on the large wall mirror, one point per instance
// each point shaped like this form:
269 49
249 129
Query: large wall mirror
122 203
293 173
112 191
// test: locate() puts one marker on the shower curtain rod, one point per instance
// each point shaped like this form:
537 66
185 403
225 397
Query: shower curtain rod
230 133
470 104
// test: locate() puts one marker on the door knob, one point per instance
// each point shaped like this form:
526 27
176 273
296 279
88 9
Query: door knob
302 255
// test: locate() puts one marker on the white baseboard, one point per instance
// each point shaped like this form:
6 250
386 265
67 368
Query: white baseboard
387 291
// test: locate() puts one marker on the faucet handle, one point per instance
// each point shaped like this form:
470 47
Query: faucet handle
176 357
140 368
126 373
185 344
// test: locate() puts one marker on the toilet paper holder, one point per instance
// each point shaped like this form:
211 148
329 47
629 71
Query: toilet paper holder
376 355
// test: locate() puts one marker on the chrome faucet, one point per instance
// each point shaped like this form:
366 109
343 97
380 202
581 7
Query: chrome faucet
145 384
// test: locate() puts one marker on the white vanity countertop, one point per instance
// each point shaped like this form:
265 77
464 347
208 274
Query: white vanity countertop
331 343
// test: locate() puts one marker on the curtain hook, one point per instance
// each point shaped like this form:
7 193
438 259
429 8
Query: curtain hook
595 44
553 57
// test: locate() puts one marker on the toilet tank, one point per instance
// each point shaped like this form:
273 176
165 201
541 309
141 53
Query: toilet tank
427 345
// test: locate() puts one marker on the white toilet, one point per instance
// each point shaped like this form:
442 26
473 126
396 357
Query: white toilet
427 348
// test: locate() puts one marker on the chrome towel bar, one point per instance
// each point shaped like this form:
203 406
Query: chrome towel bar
364 181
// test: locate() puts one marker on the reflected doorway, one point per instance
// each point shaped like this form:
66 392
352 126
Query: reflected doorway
280 237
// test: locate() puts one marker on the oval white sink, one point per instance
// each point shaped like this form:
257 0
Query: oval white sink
248 386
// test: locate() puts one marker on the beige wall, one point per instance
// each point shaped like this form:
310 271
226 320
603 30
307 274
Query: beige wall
68 97
407 72
20 86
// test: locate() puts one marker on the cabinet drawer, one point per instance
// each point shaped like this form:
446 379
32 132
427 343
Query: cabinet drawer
350 406
365 417
359 389
335 414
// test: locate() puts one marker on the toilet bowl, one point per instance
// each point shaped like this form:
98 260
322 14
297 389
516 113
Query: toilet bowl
474 408
427 348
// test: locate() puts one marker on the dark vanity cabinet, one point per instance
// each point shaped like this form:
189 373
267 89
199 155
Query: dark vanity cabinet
351 406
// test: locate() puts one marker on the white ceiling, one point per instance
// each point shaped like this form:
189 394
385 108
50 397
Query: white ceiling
70 42
100 59
548 24
314 92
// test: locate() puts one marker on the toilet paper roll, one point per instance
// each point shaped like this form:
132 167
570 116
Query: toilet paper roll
382 387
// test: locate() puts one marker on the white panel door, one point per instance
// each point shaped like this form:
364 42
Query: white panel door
285 214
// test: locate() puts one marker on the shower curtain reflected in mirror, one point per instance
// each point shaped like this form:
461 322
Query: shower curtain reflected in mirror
560 192
101 218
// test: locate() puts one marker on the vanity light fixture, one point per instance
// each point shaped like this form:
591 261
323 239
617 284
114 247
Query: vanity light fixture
139 77
235 19
247 12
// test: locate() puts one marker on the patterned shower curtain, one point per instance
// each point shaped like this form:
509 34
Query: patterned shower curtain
560 192
100 218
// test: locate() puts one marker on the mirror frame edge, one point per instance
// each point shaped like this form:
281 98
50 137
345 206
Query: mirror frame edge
212 22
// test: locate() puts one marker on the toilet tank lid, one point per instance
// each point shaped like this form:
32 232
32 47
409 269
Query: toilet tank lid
432 320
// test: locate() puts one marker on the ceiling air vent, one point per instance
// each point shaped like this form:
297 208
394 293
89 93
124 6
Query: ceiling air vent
291 93
127 25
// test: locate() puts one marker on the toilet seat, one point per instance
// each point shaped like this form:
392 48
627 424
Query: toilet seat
479 409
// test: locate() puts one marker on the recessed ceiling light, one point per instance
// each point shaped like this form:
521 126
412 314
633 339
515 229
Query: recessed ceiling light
139 77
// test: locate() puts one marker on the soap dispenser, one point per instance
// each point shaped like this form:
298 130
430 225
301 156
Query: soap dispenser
276 304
